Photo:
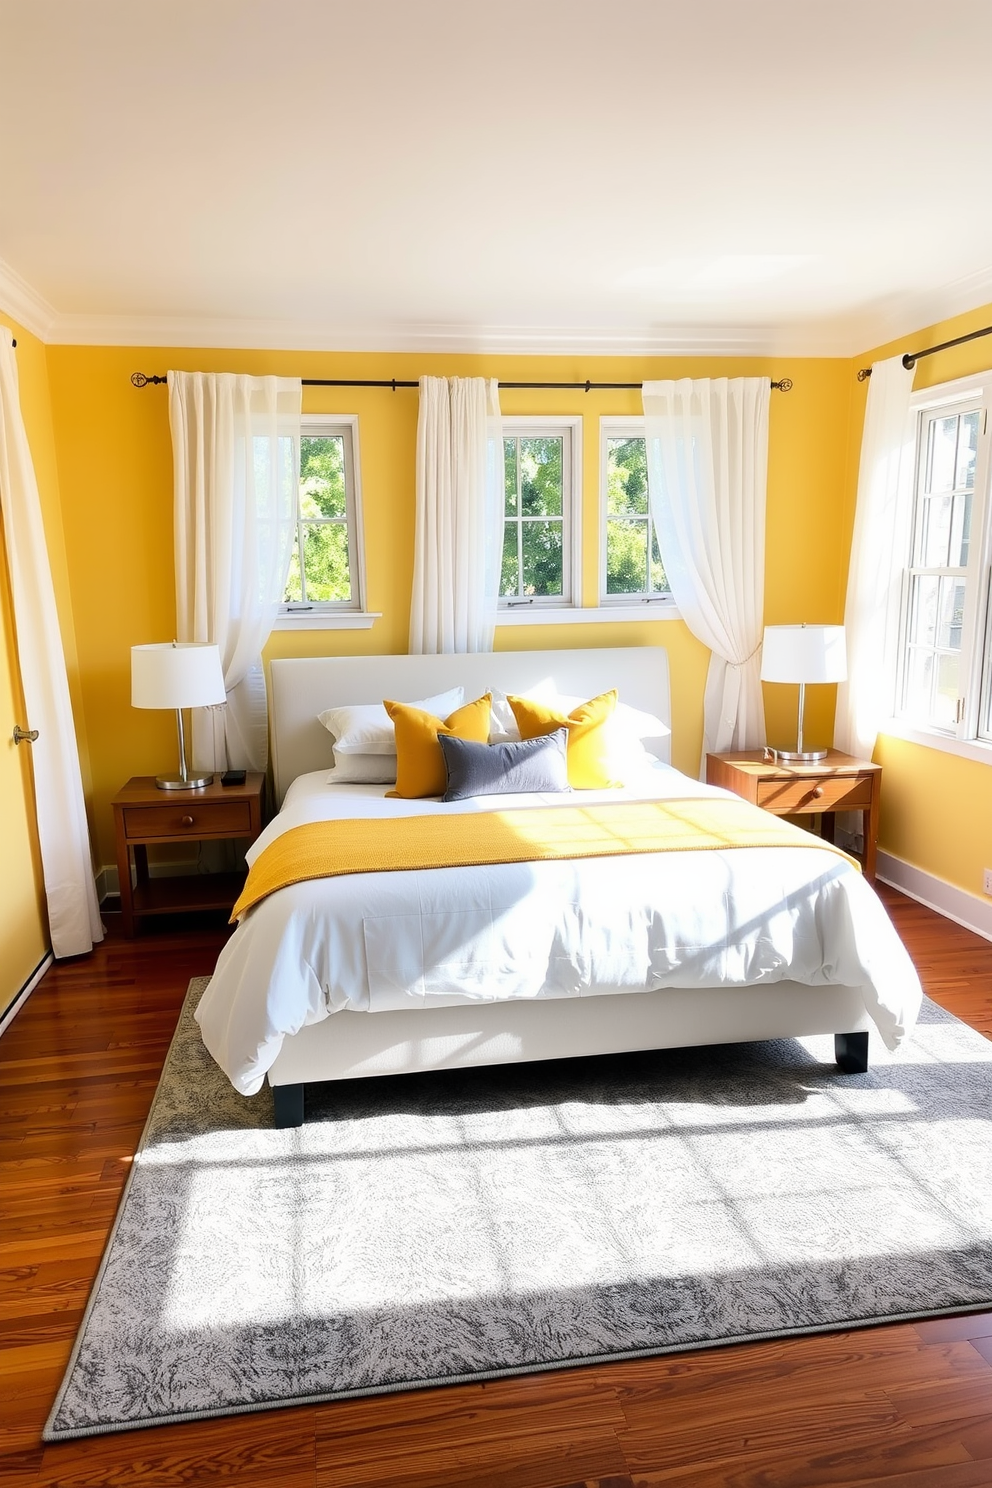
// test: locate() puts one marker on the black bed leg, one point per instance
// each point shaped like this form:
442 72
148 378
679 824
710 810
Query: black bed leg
289 1105
851 1052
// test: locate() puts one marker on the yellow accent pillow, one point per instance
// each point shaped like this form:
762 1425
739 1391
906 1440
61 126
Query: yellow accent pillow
420 769
588 736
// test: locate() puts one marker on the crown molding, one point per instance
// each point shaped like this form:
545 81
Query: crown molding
23 303
913 314
846 336
291 335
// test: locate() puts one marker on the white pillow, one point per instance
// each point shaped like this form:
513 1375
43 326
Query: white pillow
628 726
363 769
366 728
502 724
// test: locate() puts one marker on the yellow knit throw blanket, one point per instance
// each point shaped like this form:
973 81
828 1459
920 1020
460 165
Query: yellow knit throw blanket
328 849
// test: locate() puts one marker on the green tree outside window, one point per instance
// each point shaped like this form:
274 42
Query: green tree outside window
633 559
533 530
319 571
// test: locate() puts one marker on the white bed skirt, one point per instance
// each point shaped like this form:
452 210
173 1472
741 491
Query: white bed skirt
351 1045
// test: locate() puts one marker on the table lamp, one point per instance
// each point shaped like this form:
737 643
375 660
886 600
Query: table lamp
803 653
174 675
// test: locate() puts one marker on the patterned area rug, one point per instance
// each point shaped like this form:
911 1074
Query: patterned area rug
428 1229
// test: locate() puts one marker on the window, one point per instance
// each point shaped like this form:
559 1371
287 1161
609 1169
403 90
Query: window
631 566
325 573
943 683
540 524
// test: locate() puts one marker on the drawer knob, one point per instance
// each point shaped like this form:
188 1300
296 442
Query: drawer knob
185 821
816 792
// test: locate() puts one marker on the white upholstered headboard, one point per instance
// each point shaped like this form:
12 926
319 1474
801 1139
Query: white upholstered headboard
301 687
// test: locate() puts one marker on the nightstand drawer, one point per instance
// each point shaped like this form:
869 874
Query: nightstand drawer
188 819
831 793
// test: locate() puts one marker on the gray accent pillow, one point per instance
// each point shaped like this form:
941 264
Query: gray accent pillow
505 769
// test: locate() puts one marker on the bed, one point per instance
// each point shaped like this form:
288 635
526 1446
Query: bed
321 980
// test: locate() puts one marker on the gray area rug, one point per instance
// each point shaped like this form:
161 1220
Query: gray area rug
428 1229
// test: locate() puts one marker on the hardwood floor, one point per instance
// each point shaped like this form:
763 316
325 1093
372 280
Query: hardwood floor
904 1406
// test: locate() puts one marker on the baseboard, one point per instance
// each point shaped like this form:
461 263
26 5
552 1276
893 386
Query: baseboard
970 910
21 997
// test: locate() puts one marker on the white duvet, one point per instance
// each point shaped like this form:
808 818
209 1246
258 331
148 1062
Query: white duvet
384 941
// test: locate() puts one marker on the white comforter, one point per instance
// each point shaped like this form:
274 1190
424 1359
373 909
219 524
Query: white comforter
380 941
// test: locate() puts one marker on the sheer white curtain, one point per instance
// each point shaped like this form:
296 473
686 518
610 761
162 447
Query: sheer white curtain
707 457
67 864
458 545
878 554
236 453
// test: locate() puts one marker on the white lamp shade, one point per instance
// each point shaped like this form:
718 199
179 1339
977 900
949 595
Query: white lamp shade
804 653
176 676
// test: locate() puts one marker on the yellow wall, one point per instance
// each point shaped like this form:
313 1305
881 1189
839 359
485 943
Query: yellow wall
936 807
115 469
106 483
23 922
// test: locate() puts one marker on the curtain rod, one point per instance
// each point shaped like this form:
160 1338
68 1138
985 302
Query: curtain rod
140 379
912 357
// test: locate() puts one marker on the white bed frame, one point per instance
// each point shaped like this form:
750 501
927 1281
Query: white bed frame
351 1045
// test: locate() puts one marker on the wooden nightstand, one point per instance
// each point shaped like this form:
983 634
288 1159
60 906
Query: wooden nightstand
144 814
837 783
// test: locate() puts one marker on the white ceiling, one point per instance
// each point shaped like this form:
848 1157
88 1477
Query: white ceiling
725 175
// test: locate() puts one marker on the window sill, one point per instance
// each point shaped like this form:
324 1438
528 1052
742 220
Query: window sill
328 620
972 749
591 615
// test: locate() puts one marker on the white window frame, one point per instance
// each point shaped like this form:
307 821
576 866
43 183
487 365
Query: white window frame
347 614
967 738
649 606
569 428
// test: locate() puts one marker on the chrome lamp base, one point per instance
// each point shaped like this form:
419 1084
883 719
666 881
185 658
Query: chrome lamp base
795 756
799 755
184 780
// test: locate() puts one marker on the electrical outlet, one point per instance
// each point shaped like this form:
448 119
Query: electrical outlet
987 881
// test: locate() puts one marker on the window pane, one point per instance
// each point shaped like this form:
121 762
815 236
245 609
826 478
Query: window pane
540 479
659 579
923 610
294 589
935 531
960 531
626 555
510 467
943 447
946 699
325 560
542 549
919 673
322 491
626 478
964 479
509 583
951 614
